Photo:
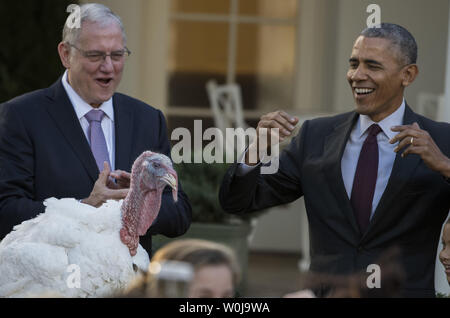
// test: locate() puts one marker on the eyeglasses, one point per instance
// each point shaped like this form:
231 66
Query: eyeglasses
97 56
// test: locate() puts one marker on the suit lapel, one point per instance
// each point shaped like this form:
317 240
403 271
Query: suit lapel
402 171
123 121
63 113
334 147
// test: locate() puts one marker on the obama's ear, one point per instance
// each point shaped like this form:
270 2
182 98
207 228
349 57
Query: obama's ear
409 74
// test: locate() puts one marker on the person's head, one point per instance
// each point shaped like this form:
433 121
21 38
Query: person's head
382 65
216 272
444 256
101 31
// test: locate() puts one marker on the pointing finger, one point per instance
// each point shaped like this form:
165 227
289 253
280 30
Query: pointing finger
414 126
105 173
106 167
407 133
400 128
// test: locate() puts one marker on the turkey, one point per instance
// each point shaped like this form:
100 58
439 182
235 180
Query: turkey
97 247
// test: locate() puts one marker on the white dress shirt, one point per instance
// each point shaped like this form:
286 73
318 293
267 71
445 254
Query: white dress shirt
386 154
82 108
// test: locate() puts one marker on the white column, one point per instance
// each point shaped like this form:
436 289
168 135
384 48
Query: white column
155 46
311 50
444 113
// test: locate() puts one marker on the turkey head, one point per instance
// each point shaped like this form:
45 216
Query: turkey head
150 175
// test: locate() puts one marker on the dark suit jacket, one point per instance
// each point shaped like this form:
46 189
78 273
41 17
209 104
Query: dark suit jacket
44 153
409 215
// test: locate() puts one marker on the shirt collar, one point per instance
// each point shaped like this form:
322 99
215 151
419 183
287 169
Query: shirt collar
394 119
80 106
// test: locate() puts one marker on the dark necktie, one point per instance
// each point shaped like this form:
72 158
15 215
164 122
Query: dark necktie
366 179
97 138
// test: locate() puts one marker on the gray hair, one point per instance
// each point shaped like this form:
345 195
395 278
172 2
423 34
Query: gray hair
94 13
399 36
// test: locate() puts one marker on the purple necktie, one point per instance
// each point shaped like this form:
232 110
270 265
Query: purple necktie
366 179
97 138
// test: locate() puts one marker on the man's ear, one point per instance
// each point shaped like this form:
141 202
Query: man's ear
409 74
64 54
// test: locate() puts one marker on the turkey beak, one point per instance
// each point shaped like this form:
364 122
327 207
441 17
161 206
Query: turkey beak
171 180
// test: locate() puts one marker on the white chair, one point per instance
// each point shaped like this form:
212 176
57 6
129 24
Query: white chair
226 105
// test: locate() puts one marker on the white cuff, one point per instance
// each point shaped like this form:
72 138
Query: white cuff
243 168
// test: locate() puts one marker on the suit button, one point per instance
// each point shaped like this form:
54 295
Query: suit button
360 249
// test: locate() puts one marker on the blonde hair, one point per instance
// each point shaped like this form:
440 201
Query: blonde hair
200 253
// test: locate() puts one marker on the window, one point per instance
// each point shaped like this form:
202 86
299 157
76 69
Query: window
250 42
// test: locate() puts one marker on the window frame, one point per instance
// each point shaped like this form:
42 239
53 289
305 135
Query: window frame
233 19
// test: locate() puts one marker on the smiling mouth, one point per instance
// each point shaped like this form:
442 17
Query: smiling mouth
360 92
104 81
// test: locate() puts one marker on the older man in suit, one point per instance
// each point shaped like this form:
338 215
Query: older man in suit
55 141
372 179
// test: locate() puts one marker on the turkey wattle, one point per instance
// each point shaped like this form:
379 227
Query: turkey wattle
73 242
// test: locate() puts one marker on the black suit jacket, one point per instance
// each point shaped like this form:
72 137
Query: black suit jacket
44 153
409 215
